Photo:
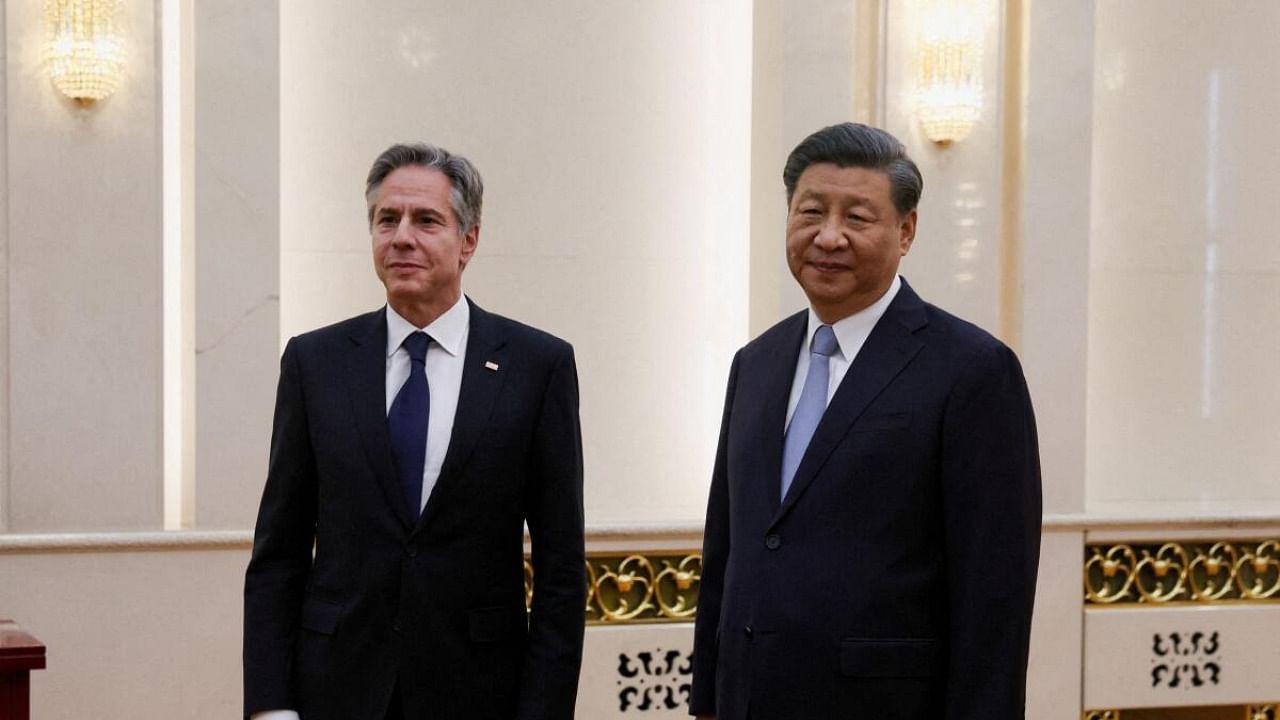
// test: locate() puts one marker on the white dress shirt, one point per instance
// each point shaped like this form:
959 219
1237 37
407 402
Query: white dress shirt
445 357
851 333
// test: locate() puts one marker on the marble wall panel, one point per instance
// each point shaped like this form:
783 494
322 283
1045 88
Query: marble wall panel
84 293
1183 404
237 251
131 634
1149 657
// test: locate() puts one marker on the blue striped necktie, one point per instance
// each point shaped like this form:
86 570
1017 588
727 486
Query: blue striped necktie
812 404
407 422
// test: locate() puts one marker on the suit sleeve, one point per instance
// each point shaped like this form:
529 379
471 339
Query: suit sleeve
991 517
549 680
283 538
715 555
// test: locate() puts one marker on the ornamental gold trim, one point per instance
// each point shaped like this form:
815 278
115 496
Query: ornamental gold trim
1182 572
636 587
1250 712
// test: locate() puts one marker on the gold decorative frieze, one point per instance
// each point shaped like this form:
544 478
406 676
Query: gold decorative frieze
1250 712
637 587
1182 572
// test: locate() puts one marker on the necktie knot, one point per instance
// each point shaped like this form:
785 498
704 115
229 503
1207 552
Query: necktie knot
416 345
824 341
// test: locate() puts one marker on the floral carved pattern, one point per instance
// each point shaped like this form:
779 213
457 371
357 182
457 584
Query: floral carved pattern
636 587
1188 572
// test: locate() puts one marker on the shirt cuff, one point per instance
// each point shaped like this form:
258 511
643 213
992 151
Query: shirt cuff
275 715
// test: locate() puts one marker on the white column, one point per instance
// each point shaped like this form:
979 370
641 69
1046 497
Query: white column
4 277
1050 291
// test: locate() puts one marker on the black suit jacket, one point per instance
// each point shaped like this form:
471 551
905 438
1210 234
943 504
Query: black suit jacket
438 605
896 578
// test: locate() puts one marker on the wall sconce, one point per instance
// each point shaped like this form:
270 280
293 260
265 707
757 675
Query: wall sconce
949 96
84 55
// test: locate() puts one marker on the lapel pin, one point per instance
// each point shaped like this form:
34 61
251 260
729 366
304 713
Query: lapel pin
491 365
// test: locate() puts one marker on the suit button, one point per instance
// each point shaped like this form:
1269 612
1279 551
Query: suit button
773 541
396 627
747 631
412 550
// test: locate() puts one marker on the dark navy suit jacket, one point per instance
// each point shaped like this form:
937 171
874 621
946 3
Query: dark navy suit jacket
896 578
437 605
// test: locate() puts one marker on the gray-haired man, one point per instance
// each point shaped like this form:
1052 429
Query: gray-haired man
410 447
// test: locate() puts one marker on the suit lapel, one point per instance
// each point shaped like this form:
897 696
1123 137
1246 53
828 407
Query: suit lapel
367 380
486 346
778 377
892 344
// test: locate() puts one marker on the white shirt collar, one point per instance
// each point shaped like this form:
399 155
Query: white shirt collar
852 332
448 330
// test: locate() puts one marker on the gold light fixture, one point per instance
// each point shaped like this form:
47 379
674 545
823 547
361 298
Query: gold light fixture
84 55
949 95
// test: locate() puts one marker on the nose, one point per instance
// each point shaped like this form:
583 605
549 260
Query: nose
402 238
830 236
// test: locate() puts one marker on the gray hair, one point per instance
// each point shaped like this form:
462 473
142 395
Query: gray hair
467 189
857 145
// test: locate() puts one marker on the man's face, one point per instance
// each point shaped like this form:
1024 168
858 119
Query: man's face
419 250
845 238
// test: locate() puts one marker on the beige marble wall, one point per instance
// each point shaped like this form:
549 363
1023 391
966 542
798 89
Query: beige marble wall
1184 406
237 251
614 142
84 289
131 634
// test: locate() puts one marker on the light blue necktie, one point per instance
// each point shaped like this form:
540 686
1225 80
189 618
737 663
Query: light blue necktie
813 403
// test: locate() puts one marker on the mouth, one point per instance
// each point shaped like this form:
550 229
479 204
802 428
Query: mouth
828 266
401 266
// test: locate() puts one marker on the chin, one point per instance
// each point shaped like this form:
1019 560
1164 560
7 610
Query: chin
405 291
830 292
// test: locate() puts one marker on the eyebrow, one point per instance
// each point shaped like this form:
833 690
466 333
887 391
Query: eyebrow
386 211
810 194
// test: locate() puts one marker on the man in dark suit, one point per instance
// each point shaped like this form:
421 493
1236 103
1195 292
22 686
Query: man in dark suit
411 446
873 527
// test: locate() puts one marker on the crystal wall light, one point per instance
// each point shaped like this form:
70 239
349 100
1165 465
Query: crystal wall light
84 55
949 94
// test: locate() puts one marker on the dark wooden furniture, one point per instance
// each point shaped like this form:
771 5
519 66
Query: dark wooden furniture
19 655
